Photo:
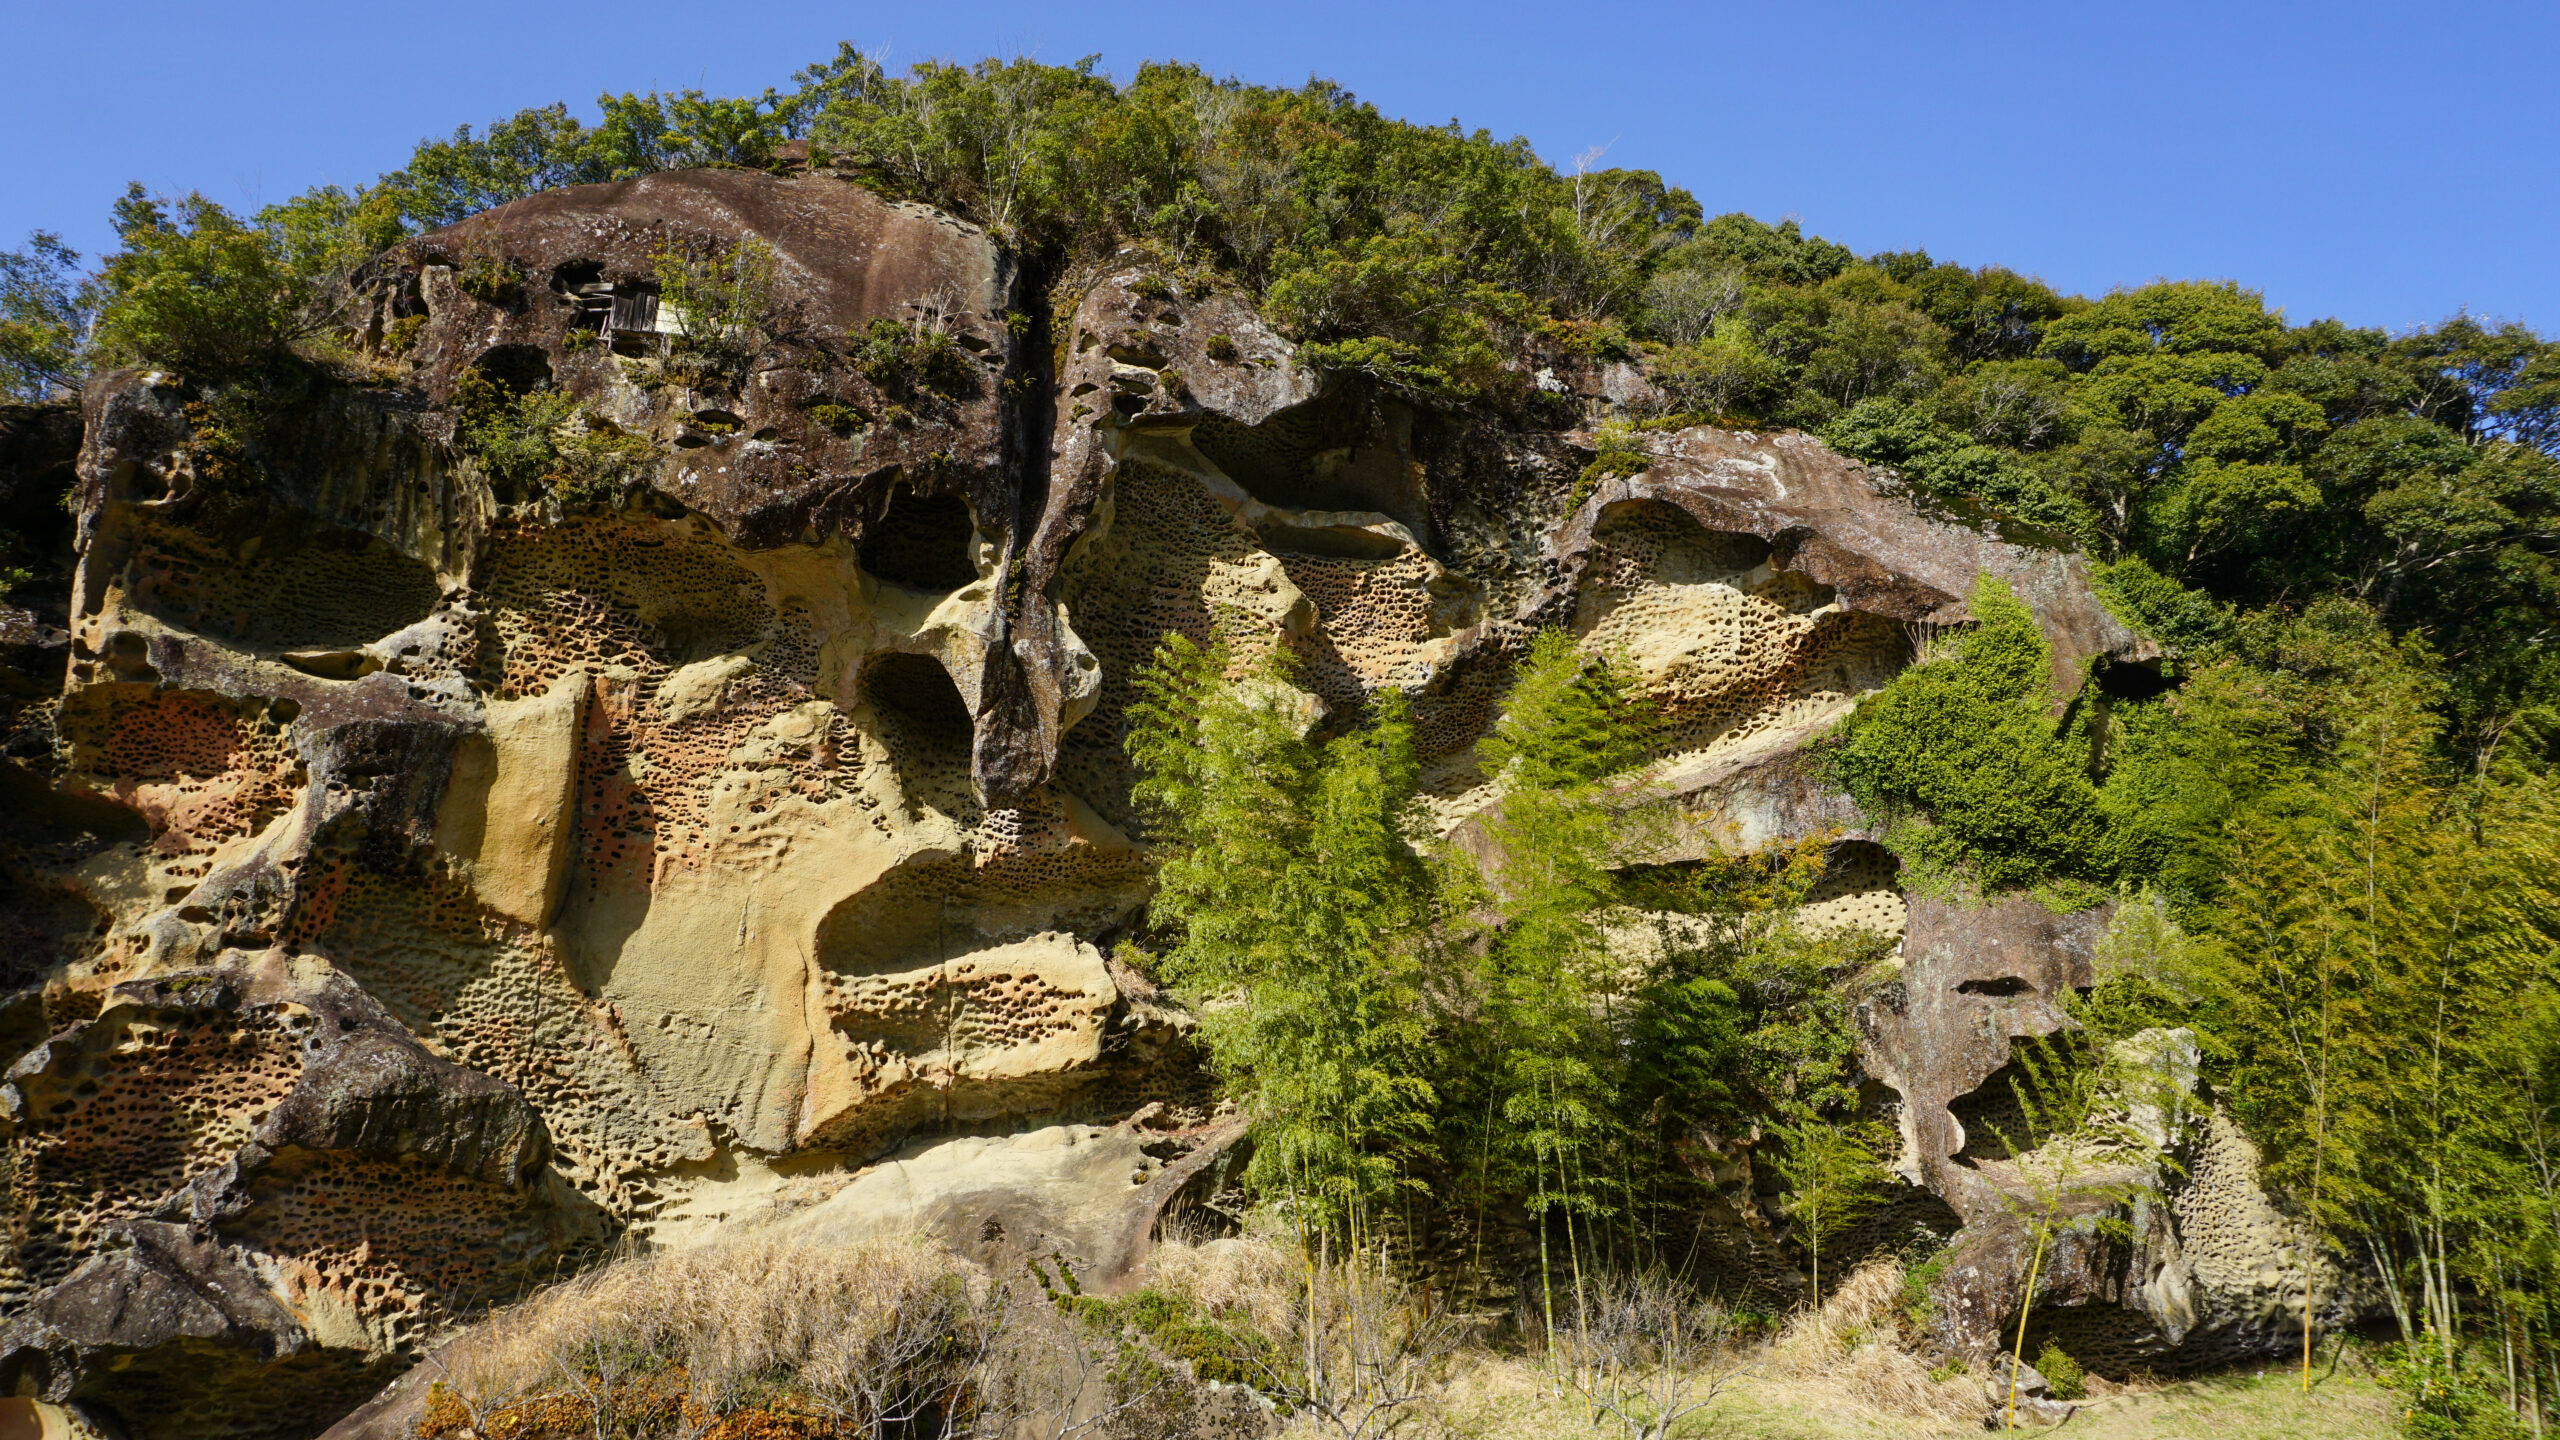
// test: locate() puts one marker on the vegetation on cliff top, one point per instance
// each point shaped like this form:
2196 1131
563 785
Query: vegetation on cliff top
2182 424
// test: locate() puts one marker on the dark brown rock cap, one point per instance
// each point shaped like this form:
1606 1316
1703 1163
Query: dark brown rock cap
747 449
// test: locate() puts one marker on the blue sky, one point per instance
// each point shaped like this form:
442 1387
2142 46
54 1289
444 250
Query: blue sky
2386 164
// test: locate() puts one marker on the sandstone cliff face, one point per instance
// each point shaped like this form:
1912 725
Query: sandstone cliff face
418 883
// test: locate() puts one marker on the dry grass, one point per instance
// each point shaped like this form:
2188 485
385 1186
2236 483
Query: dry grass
773 1340
851 1329
1252 1277
2226 1407
1849 1368
1851 1358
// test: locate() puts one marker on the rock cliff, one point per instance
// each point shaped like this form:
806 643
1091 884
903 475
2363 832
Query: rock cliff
418 878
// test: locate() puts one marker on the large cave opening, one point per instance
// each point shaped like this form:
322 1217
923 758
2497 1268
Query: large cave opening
1995 1123
924 543
928 723
516 369
1343 450
1656 542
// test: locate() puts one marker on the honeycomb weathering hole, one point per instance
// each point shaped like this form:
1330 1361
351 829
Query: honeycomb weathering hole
923 543
915 698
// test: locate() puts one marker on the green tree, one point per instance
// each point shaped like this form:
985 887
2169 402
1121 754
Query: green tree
328 230
198 291
43 319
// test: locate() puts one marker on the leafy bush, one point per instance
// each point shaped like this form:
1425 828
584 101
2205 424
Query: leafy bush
2062 1374
721 299
906 359
490 280
511 435
1399 309
1616 451
1919 1302
1961 751
1722 375
2451 1399
533 441
1215 1350
2183 621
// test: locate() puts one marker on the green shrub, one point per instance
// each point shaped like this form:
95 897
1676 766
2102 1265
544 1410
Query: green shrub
1919 1306
1215 1350
594 465
491 280
510 435
909 360
1722 375
2456 1401
1219 347
1399 309
721 299
2062 1374
528 442
2183 621
1961 754
1615 454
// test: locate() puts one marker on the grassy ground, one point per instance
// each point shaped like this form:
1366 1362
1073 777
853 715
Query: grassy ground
1849 1376
2241 1406
1503 1400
